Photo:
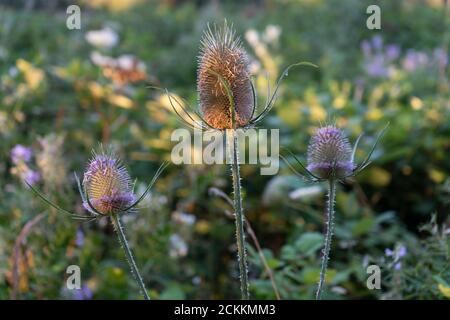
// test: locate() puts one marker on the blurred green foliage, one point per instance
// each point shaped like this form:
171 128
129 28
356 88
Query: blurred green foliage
53 89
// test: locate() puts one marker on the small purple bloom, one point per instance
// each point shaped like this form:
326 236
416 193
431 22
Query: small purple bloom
398 266
401 252
85 293
79 238
388 252
366 47
377 42
32 177
21 153
414 60
392 51
376 67
441 57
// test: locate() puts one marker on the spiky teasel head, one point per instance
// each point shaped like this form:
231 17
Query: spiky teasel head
107 185
223 80
330 154
106 189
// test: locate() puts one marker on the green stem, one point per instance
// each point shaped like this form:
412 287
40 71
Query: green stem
124 243
239 215
329 235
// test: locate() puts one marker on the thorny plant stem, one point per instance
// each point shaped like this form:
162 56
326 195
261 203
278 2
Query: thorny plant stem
124 243
328 236
239 215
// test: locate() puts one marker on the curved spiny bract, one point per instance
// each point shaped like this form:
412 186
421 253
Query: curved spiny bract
224 63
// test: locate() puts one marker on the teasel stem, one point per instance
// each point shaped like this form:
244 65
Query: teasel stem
124 243
232 142
328 236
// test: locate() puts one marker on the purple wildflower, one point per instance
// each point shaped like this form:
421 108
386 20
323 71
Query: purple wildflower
85 293
414 60
376 66
366 47
79 238
401 252
388 252
107 185
330 153
440 55
397 254
392 51
32 177
21 153
377 42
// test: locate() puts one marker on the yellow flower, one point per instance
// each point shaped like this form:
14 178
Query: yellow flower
444 290
33 76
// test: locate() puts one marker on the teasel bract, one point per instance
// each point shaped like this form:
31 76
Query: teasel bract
227 101
107 191
330 158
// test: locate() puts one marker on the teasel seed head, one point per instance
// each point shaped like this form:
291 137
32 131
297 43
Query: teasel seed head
330 154
223 63
107 185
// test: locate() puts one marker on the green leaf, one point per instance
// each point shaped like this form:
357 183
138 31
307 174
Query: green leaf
311 275
309 243
173 292
363 226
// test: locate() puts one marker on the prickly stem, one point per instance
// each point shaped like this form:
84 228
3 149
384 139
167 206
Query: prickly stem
328 236
232 143
130 259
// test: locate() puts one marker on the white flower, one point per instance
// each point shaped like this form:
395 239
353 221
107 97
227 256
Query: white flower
178 247
104 38
183 218
126 62
305 192
252 37
272 33
255 67
129 62
100 60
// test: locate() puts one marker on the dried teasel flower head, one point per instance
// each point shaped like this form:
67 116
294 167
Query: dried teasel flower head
107 185
330 154
223 80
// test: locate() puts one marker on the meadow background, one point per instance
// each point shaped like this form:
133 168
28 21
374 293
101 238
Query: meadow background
63 91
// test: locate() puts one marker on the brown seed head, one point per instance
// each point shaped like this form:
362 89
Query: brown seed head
223 62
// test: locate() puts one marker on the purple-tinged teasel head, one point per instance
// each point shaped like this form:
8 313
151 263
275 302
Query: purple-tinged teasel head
330 154
107 185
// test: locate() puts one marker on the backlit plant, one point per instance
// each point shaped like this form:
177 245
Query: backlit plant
227 100
108 191
331 159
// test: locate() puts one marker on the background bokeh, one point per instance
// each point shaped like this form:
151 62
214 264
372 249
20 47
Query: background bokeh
64 91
